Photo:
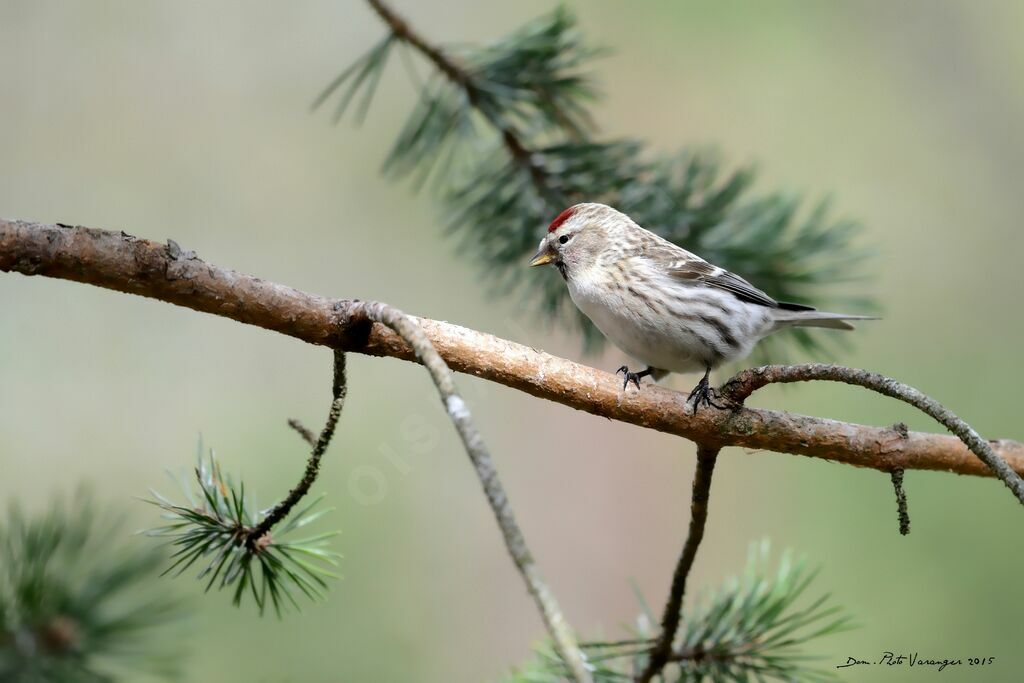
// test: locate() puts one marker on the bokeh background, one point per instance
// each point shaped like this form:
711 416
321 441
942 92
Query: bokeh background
191 120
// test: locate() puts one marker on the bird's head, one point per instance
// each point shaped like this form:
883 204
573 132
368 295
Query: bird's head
580 236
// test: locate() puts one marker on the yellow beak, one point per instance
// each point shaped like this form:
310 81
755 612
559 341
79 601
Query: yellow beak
542 257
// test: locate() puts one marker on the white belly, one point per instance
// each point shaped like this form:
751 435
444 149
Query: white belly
669 333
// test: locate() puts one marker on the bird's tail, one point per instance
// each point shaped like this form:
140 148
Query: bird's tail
792 315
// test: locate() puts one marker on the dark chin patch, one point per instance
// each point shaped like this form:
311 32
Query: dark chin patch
561 269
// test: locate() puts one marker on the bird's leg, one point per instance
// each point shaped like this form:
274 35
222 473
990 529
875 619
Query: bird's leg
704 394
633 377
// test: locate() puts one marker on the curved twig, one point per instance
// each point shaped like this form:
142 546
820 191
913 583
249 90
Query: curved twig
749 381
118 261
555 622
281 510
661 653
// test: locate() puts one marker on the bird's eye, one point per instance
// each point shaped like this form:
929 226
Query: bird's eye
564 238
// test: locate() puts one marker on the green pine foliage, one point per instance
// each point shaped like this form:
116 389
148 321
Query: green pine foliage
213 531
77 603
752 628
504 132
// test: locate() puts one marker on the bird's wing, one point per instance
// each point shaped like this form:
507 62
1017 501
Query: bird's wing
683 265
703 272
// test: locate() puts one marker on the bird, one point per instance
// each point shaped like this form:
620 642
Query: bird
661 304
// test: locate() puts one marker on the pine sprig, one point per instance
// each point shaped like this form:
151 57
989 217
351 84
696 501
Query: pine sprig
505 130
752 628
73 600
214 531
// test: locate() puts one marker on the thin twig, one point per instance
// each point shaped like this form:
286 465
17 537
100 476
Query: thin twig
670 618
748 381
303 431
282 509
443 377
901 501
121 262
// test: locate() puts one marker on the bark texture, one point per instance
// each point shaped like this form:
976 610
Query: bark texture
118 261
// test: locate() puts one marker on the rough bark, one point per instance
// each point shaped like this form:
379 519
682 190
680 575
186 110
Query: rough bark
118 261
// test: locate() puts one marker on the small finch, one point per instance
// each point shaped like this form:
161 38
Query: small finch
668 308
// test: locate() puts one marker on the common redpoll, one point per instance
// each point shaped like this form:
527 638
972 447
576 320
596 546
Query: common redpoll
668 308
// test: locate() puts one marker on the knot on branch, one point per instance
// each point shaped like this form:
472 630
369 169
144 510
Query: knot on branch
352 323
176 253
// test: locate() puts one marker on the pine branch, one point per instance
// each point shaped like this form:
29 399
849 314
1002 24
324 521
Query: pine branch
751 629
217 529
475 94
227 533
118 261
505 131
73 599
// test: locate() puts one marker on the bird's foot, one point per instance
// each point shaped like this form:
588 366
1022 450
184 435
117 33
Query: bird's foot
704 395
633 377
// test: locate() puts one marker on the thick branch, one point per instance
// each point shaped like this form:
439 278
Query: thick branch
164 271
662 650
748 381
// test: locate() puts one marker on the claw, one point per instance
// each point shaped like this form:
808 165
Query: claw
704 395
633 377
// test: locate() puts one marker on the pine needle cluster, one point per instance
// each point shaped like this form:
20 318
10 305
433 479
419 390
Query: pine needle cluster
77 601
214 531
753 628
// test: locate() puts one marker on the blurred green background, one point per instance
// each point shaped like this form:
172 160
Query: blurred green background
190 120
